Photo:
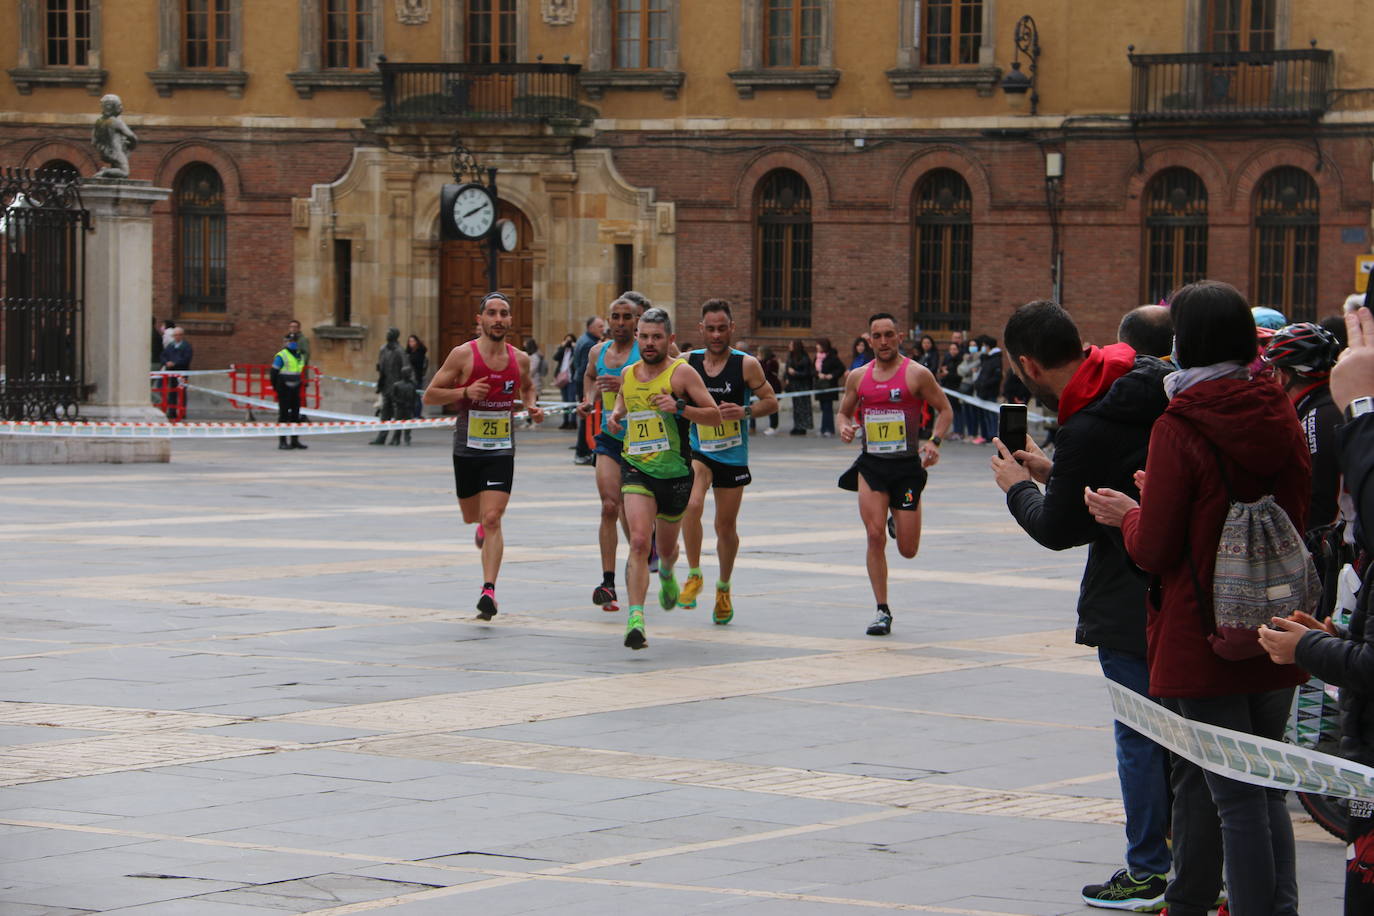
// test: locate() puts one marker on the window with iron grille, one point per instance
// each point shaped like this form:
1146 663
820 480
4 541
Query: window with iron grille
491 31
783 256
1175 232
202 251
205 34
347 34
640 34
1287 223
67 33
1241 25
943 252
952 32
792 33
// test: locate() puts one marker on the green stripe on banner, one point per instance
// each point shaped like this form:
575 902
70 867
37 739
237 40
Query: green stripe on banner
1242 756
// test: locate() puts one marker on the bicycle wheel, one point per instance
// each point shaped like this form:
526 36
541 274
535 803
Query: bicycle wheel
1331 814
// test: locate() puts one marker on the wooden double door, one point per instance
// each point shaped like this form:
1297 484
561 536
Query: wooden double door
463 283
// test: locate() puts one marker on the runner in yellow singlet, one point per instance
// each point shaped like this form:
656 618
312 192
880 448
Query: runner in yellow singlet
656 396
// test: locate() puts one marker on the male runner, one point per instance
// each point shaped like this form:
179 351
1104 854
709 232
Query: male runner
605 362
888 397
656 482
720 454
482 377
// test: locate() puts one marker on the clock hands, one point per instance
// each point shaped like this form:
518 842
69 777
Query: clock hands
478 209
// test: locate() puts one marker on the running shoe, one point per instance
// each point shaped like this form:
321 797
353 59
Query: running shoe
668 591
881 625
690 589
725 611
634 631
892 527
479 537
486 605
605 596
1123 892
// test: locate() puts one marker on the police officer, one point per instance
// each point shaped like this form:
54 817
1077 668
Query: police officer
287 368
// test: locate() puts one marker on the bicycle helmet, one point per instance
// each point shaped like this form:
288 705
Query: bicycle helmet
1268 318
1306 348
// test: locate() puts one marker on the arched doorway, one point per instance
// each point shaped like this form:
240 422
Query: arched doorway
463 283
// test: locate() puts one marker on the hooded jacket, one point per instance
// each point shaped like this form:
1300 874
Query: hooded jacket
988 383
1250 427
1102 444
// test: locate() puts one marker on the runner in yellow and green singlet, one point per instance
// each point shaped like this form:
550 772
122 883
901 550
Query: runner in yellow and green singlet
656 395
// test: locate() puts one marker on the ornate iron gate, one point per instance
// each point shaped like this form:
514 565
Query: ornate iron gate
42 292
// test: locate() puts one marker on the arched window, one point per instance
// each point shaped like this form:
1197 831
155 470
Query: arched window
1287 207
202 251
59 167
784 250
943 252
1175 232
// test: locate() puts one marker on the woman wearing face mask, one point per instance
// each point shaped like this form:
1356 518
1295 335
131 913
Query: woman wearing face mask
968 373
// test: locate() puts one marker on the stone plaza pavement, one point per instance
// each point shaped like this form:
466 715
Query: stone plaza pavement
251 682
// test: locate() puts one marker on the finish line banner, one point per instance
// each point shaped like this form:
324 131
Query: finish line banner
1242 756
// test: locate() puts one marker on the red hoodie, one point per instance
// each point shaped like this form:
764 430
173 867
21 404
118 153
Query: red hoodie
1254 427
1101 367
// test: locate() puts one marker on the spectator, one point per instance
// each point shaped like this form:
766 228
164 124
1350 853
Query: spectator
167 327
417 355
769 362
960 340
861 355
390 361
1347 659
157 343
567 388
595 329
829 374
949 380
968 374
294 327
1148 330
928 355
538 368
404 395
287 367
1223 437
801 376
987 385
176 357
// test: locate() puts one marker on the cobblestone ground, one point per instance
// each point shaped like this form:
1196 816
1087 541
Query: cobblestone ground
251 682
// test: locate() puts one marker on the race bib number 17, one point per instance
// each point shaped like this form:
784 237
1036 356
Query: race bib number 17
884 431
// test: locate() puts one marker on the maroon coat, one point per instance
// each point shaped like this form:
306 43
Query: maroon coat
1253 426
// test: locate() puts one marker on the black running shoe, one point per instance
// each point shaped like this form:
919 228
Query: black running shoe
881 625
892 527
1124 892
605 598
486 605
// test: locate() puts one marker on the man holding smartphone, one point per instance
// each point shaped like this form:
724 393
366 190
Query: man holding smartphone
1107 398
886 401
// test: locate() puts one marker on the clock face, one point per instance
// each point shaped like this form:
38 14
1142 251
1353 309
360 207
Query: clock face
473 212
510 236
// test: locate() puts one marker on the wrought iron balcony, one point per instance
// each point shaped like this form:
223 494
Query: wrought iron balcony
1239 85
480 92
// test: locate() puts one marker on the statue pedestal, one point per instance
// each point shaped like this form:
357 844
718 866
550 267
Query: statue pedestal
118 322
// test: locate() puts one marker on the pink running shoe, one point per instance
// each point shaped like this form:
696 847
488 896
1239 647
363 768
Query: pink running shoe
480 537
486 605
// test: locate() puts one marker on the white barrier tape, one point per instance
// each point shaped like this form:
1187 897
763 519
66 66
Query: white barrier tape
187 373
1244 757
994 408
209 430
272 405
350 381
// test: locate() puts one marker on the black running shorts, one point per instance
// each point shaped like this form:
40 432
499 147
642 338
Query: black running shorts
473 475
902 479
670 493
725 476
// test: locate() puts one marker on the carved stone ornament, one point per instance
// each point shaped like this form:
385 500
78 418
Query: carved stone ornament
560 12
412 12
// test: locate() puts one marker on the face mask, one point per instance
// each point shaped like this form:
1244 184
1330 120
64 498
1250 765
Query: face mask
975 350
1173 353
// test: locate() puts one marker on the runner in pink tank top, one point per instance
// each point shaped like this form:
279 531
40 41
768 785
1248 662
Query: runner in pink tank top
884 404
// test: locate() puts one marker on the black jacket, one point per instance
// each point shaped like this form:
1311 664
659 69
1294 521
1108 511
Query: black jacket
988 383
1349 663
1102 445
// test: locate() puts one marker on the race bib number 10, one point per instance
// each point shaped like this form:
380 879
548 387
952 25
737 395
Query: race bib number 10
489 429
645 433
884 431
719 438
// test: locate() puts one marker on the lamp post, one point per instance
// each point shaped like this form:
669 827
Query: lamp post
1016 83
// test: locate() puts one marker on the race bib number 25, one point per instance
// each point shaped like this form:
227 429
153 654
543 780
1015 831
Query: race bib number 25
489 429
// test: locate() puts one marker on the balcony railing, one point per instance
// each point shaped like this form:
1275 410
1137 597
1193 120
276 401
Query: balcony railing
483 92
1241 85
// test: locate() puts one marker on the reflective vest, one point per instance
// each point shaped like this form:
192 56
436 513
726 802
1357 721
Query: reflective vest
291 363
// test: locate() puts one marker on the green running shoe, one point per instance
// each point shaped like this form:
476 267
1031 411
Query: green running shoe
668 591
634 631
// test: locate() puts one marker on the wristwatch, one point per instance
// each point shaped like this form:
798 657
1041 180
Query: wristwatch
681 406
936 441
748 410
1359 407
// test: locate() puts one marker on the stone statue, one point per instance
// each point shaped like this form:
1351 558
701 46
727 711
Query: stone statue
560 12
391 361
412 12
113 139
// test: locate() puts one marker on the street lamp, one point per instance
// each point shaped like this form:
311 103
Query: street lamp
1016 83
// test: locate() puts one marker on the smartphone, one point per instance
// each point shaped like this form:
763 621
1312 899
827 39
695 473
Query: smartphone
1011 426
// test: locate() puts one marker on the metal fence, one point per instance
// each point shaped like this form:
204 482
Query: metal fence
1240 85
42 285
504 92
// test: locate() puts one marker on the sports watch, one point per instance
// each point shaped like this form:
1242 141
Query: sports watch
936 441
681 406
1358 408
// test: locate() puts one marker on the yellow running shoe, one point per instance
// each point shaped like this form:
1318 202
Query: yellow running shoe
725 611
690 589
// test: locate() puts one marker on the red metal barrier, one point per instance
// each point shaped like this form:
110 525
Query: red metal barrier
169 395
255 381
